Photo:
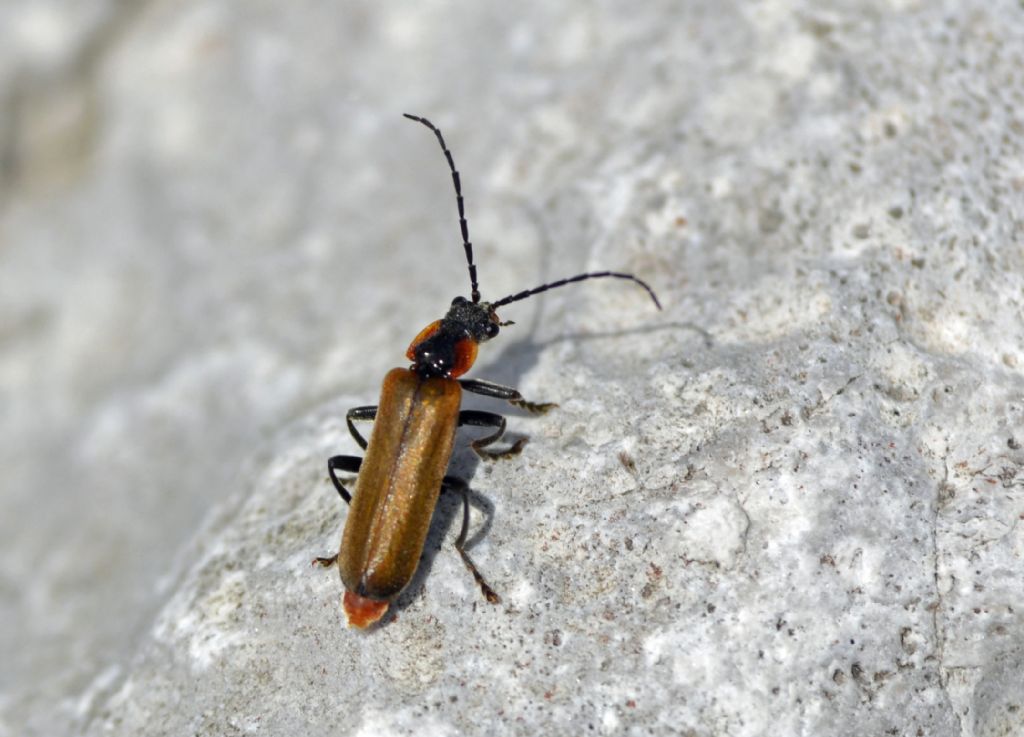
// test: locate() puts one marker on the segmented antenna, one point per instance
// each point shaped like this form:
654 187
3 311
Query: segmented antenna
475 293
579 277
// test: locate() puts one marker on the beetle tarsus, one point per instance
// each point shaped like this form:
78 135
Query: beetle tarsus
325 562
475 418
489 594
493 455
451 483
534 408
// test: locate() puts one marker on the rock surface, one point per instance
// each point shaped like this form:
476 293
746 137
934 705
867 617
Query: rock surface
789 504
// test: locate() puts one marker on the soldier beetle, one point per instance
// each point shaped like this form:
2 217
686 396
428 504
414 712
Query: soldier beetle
404 469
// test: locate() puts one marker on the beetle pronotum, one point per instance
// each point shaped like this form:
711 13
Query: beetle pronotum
403 471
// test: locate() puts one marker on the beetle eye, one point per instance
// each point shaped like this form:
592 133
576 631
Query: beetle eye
491 330
459 301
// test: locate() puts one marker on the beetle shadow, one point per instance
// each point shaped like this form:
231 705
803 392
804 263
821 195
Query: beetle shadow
444 530
511 363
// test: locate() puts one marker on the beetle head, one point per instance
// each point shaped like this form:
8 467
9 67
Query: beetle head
447 347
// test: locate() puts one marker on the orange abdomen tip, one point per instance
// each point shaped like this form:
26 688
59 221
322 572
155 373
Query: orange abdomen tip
362 612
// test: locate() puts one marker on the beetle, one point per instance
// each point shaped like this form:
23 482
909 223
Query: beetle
403 472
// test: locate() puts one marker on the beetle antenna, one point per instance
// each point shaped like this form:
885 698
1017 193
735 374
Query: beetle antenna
579 277
458 198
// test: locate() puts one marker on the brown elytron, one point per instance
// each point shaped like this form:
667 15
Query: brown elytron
407 455
399 482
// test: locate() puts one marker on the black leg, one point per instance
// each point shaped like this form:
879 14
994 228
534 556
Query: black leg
363 414
348 464
451 483
489 419
512 396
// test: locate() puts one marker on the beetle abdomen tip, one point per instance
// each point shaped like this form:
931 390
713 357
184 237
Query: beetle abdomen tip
362 612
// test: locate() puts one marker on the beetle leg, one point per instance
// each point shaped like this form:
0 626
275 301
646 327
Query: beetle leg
510 395
349 464
364 414
489 419
450 483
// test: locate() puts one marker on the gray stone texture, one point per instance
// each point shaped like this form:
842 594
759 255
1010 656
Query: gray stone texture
790 504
